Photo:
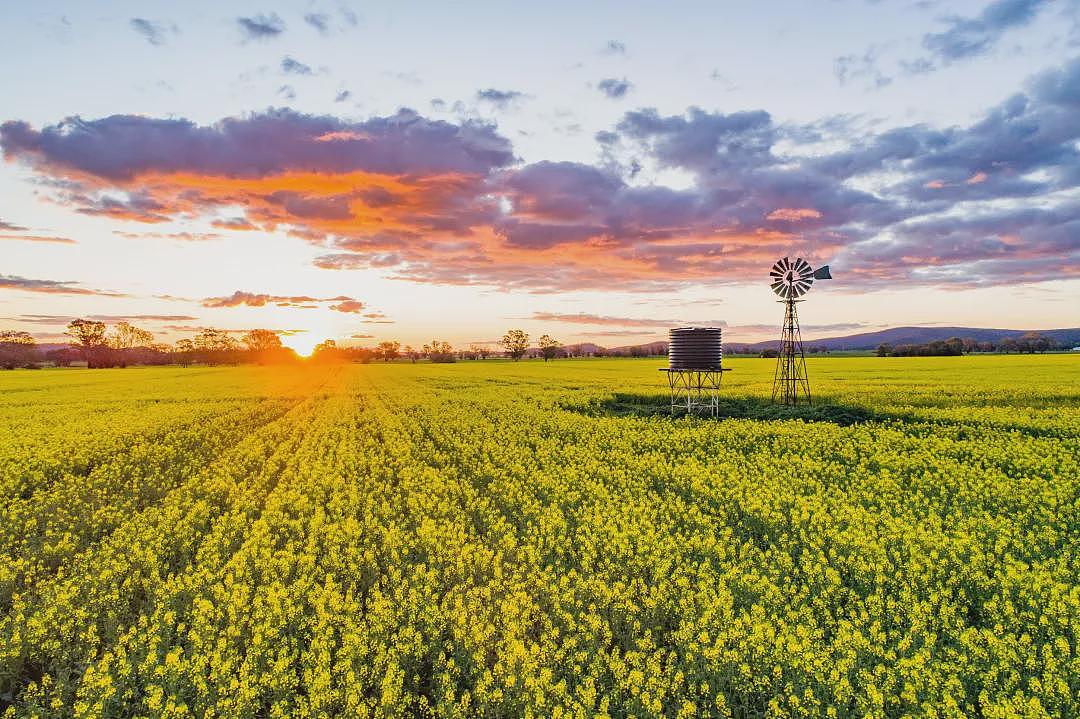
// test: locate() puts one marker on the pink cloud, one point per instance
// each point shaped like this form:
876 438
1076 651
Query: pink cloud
793 214
433 201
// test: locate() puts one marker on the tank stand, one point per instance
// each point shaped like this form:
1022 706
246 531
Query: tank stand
696 391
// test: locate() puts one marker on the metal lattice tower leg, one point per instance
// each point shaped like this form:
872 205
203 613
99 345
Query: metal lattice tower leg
790 382
695 391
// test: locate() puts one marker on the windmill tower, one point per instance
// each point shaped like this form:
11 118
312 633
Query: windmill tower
790 281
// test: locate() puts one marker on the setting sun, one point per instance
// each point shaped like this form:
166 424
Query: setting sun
302 342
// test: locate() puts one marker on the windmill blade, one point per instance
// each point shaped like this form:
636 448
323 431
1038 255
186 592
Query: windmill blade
822 273
790 279
803 269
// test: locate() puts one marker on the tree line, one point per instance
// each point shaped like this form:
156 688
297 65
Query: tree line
99 347
1029 343
124 344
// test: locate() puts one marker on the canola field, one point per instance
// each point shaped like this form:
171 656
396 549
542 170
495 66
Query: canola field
491 539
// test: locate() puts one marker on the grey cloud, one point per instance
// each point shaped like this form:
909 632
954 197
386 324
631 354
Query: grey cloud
154 32
967 37
318 20
121 147
51 287
614 88
862 68
261 27
292 66
501 99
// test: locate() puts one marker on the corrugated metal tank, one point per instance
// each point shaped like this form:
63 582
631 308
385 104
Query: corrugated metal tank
695 348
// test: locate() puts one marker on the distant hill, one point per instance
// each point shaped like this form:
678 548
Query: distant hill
49 346
921 335
895 336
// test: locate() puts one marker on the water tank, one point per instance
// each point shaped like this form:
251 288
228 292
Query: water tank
694 348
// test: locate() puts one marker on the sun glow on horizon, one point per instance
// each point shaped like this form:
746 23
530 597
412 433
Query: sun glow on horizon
303 342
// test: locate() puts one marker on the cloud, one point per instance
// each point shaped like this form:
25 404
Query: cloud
501 99
614 88
622 333
864 68
377 318
351 306
614 47
182 236
318 20
39 238
121 148
137 206
9 227
292 66
65 319
50 287
233 223
342 96
324 22
261 27
582 318
793 214
253 299
155 33
967 37
431 201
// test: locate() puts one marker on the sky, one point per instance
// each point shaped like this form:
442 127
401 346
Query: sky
601 171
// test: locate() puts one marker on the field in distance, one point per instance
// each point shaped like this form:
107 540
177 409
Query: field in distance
540 539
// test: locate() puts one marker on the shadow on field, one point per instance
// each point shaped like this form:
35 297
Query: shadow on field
627 404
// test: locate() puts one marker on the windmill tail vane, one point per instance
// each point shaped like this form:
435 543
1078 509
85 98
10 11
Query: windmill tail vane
790 280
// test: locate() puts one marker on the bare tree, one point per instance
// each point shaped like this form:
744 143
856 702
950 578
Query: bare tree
516 343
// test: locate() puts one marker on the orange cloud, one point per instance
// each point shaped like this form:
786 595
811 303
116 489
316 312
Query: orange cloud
793 214
50 287
352 306
433 201
39 238
258 299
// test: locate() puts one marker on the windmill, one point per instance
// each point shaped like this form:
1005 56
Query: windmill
790 281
